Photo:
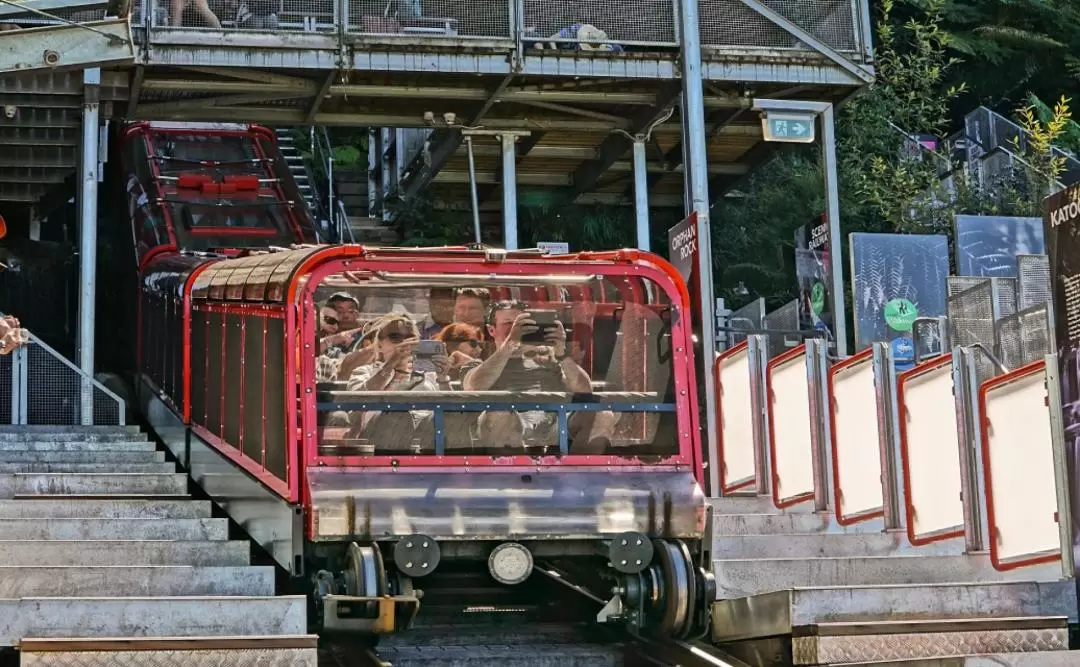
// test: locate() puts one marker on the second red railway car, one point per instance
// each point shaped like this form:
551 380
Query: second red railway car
231 285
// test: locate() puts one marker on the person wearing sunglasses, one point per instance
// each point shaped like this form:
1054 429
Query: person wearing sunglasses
518 367
395 351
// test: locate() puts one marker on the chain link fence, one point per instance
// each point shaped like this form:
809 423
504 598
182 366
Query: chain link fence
489 19
39 386
605 25
731 23
750 318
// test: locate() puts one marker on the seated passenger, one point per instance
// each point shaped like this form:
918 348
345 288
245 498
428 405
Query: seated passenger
471 307
392 370
519 367
464 344
440 312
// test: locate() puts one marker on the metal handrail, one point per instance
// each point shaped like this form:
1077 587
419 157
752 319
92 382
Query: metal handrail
342 221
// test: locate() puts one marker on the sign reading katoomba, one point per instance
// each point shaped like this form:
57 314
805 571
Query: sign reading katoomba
1061 226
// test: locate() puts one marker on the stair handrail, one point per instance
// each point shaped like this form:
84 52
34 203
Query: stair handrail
20 366
342 220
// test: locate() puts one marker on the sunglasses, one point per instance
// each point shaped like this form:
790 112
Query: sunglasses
470 341
332 321
396 336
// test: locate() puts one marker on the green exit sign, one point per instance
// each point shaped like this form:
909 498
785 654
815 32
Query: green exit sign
789 127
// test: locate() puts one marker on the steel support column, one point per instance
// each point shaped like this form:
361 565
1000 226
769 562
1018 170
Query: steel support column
641 193
832 208
88 206
696 179
509 185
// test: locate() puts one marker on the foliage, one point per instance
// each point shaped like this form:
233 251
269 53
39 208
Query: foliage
1046 163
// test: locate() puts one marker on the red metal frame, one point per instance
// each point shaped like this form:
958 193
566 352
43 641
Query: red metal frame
689 449
984 429
842 519
726 354
773 363
909 509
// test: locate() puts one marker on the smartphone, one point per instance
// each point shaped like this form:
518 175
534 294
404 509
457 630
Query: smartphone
425 350
545 322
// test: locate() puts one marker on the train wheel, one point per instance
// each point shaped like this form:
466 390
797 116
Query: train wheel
678 594
365 575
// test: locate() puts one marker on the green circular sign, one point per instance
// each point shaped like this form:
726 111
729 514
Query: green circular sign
900 314
817 298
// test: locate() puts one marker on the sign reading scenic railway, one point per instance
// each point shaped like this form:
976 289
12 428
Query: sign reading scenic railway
1061 226
789 127
683 247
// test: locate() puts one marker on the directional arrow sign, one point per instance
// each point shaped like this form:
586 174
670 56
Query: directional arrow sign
790 127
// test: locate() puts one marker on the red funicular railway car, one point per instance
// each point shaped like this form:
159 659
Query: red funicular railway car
368 471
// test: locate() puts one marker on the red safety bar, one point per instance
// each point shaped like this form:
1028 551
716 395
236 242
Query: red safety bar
909 509
773 363
984 429
726 354
841 518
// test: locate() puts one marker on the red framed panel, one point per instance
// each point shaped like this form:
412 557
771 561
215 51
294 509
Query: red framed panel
984 430
909 509
726 354
773 363
842 519
689 446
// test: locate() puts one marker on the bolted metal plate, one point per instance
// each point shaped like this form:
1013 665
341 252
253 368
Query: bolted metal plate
417 555
871 648
247 657
630 552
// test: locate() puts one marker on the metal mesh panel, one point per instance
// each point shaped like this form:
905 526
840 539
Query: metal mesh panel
958 284
971 316
750 317
563 24
285 15
926 335
1034 286
1024 337
1006 295
5 389
51 389
732 23
436 18
786 317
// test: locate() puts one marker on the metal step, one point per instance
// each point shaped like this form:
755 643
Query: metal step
129 580
64 436
883 641
60 484
151 617
755 505
783 524
38 467
301 651
119 459
78 430
817 545
1033 659
127 552
779 613
54 446
101 508
114 529
750 576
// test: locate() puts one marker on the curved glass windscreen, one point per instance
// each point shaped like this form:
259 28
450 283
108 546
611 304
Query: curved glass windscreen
543 366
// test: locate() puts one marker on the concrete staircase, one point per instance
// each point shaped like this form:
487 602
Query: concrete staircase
105 559
796 588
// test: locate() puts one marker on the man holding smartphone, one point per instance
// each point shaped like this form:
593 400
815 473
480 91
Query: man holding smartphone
530 355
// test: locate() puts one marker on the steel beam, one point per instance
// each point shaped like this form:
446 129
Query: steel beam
320 96
286 116
616 144
525 147
91 44
509 188
88 204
